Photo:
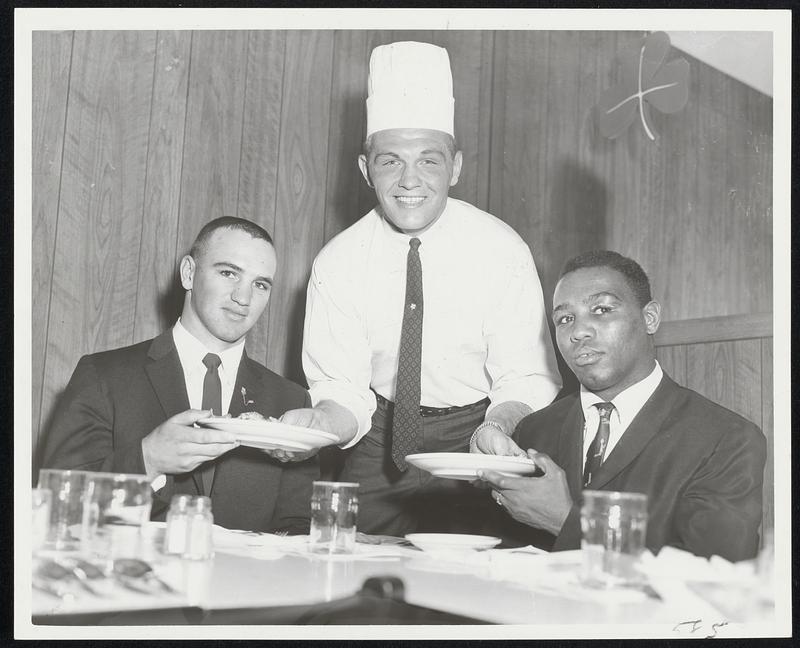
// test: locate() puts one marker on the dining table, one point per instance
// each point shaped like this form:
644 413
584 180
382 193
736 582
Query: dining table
268 579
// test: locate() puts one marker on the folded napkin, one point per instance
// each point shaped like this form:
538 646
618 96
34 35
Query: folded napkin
675 563
253 544
742 591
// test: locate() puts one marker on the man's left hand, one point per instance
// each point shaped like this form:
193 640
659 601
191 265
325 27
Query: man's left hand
541 502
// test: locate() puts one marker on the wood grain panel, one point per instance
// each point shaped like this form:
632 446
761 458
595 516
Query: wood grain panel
100 213
709 371
747 379
346 190
299 226
729 373
51 53
560 217
715 329
213 141
673 360
159 293
497 123
519 169
258 174
585 177
470 62
768 427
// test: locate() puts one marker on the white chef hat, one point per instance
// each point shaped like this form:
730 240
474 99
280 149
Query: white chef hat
410 86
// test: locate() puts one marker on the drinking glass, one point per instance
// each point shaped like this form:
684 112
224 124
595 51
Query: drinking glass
334 508
41 503
66 508
614 525
116 508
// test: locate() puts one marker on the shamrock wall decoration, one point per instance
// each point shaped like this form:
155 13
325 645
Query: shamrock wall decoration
645 82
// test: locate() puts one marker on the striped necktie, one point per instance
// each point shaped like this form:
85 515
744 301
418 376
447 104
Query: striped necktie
597 450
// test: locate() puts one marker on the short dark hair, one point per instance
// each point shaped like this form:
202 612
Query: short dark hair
227 222
452 145
628 268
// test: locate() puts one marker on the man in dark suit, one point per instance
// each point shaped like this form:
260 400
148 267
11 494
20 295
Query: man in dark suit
632 428
133 409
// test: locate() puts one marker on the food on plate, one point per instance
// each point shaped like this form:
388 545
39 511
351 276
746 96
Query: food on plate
256 416
251 416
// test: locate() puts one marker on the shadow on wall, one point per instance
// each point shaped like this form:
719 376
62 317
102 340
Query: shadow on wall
348 195
170 303
293 339
578 217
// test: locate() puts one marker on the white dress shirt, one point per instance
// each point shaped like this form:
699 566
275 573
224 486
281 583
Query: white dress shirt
191 353
484 327
626 406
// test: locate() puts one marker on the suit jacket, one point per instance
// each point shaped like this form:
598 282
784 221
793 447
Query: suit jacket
700 465
115 398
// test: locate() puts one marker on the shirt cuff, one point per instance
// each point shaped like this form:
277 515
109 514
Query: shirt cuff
158 483
361 405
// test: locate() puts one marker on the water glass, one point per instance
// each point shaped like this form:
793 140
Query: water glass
614 525
116 508
41 503
334 508
66 507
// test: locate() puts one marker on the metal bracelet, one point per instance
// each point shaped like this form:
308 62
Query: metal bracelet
483 425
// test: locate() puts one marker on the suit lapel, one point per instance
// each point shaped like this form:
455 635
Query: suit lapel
247 390
645 425
165 373
570 448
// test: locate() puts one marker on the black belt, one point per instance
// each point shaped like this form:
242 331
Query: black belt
426 411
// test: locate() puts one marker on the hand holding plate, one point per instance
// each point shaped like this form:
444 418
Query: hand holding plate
542 502
177 446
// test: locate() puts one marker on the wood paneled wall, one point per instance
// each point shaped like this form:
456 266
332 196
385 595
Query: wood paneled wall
141 137
729 361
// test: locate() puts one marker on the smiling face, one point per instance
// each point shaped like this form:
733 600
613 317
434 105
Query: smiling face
602 331
228 287
412 170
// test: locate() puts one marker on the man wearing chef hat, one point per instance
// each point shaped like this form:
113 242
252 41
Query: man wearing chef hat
425 327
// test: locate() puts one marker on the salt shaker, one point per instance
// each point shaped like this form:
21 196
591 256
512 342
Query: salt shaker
177 524
199 545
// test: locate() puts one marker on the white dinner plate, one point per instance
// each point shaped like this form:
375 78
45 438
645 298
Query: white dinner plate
435 542
465 465
270 435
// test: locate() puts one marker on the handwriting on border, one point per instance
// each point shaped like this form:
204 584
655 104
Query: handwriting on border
698 625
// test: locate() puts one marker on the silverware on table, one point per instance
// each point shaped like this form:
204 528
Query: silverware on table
131 571
56 571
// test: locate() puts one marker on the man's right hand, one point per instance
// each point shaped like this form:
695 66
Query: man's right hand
176 446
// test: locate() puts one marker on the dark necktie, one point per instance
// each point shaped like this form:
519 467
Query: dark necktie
407 422
212 399
597 450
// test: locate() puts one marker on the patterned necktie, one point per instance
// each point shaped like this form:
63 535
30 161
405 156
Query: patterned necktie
212 399
597 450
407 423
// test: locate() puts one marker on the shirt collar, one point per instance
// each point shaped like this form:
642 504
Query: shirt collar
629 401
189 346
